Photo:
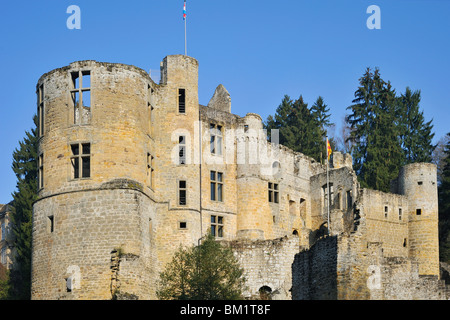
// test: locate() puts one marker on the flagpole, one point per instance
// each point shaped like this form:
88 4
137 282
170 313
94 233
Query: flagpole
185 18
328 191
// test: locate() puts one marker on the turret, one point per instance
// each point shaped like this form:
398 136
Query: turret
418 181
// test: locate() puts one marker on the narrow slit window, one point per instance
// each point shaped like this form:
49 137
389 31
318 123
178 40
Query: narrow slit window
182 192
400 214
41 110
181 150
386 212
150 170
181 101
51 224
41 171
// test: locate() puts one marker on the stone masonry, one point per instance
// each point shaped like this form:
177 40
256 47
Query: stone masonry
130 169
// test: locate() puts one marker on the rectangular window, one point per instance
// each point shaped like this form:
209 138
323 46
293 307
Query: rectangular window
216 139
181 101
418 212
150 170
41 110
41 171
81 96
273 192
217 226
181 150
81 160
216 186
182 192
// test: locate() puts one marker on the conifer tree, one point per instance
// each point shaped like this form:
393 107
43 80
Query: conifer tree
299 129
415 134
25 168
377 150
321 115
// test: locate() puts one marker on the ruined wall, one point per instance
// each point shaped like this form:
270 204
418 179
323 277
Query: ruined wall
387 220
314 271
266 263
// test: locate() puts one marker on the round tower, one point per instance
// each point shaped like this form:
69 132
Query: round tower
92 220
254 220
418 181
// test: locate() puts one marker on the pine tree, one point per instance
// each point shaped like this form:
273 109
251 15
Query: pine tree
25 167
298 128
377 150
415 134
321 115
444 206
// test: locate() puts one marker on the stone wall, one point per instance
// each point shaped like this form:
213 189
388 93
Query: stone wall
267 263
314 271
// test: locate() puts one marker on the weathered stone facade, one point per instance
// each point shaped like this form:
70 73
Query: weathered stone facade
7 238
129 170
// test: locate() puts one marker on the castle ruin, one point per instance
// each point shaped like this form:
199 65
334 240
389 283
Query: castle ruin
130 169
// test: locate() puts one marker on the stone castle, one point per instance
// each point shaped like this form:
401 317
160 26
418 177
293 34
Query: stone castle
130 169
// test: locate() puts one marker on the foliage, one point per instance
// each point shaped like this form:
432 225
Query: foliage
4 283
377 151
25 167
386 131
301 129
415 134
205 272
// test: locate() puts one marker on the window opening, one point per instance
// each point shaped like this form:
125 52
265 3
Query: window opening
273 192
181 101
81 160
217 226
216 186
182 192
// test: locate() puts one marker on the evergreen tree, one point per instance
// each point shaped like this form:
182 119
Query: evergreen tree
205 272
415 134
25 167
444 206
298 127
321 115
377 151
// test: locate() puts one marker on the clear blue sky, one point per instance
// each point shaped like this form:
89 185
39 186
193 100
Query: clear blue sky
259 50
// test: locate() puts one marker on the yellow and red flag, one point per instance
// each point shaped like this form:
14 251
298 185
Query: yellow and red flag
329 151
